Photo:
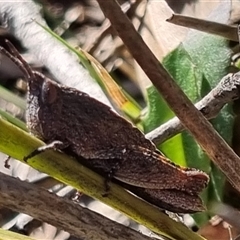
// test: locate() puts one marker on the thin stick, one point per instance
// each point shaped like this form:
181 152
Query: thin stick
223 30
225 92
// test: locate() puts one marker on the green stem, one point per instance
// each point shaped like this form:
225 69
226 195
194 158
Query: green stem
17 143
4 234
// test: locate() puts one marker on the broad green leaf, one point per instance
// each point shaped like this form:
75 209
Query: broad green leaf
158 113
211 55
197 65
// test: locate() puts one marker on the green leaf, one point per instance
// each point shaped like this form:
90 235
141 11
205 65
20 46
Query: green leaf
196 65
158 113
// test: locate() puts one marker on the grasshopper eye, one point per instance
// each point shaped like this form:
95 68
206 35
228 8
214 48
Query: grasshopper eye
49 92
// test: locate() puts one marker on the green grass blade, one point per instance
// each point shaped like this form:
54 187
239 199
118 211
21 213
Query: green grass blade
17 143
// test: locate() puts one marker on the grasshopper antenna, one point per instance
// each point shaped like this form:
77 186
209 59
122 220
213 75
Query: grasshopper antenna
15 56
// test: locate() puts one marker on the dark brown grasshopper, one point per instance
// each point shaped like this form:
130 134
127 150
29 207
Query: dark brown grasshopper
79 125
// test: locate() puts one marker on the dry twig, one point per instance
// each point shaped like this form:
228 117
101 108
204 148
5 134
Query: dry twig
39 203
223 30
225 92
